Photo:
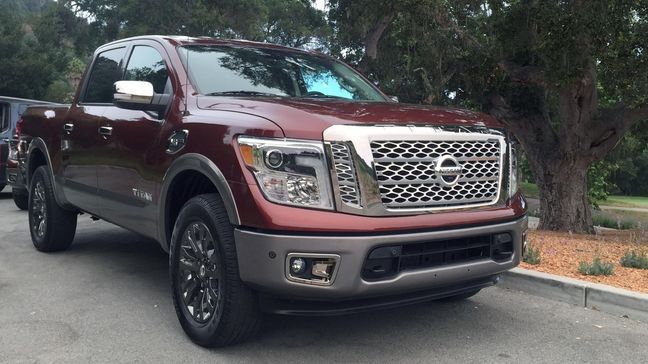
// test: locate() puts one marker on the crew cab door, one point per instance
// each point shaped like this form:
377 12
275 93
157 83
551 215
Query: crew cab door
132 155
80 139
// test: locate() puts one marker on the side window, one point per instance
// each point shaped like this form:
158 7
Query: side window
4 117
105 72
146 64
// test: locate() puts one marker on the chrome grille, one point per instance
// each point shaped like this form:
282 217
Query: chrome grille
345 173
406 176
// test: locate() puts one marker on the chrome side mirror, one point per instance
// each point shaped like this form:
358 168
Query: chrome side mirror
394 98
140 95
134 91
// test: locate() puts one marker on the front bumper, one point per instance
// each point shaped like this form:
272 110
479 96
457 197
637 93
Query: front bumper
262 262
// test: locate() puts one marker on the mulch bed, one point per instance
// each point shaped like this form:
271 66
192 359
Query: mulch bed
562 252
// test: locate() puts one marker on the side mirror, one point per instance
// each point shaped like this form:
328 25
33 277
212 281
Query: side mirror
394 98
139 95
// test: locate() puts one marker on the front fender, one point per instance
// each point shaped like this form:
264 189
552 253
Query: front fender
199 163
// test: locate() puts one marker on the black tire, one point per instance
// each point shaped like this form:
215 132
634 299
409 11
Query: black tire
52 228
460 297
231 314
21 198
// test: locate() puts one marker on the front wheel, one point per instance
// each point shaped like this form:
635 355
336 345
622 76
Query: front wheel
213 305
52 228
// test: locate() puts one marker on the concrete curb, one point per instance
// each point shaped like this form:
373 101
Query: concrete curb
581 293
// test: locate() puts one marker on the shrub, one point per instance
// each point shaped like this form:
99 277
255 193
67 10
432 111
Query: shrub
596 268
531 255
634 259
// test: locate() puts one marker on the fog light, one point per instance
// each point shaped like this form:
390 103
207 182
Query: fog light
311 268
323 269
298 265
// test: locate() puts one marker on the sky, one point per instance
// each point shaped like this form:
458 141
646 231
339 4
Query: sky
320 4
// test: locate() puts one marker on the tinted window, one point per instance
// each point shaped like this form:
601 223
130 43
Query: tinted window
146 64
105 72
4 117
233 71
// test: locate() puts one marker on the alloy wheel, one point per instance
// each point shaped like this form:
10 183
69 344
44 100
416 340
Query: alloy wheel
39 210
199 273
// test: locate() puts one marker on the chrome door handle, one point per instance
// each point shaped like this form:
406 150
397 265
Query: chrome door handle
68 127
105 131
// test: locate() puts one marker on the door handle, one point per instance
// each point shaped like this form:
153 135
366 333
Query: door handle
68 127
105 131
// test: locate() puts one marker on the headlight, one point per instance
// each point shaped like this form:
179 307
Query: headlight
290 172
513 167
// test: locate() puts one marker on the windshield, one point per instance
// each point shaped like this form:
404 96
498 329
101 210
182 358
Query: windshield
245 71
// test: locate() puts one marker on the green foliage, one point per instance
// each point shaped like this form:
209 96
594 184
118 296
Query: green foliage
631 157
289 22
45 44
608 222
634 259
530 189
59 91
598 183
37 42
532 255
596 268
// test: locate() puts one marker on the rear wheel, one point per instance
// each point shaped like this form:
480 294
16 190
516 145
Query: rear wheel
52 228
213 305
20 197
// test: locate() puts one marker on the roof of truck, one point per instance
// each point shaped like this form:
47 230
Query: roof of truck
185 40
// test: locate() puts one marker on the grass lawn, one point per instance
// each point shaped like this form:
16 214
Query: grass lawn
626 201
531 191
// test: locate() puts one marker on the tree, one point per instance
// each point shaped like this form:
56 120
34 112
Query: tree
556 61
290 22
569 78
26 71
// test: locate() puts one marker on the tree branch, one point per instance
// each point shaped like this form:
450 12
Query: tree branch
372 38
375 33
610 127
432 92
540 133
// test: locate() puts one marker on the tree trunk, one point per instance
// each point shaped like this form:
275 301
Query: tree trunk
564 205
371 40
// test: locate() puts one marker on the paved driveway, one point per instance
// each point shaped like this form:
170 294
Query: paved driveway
107 300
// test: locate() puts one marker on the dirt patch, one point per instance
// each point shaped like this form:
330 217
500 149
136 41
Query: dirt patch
562 252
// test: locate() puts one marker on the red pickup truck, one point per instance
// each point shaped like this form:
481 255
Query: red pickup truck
277 179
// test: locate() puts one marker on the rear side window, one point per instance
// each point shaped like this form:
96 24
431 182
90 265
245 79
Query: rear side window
4 117
146 64
105 72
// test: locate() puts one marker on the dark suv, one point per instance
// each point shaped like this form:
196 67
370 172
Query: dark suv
10 110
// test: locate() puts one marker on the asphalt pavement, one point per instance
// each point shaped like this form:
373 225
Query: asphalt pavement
107 300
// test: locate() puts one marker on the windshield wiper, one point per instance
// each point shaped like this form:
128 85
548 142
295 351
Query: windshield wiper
319 95
241 93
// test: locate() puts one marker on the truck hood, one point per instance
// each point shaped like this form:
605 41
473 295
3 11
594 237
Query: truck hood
308 118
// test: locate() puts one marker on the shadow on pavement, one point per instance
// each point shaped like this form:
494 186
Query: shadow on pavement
109 253
5 194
